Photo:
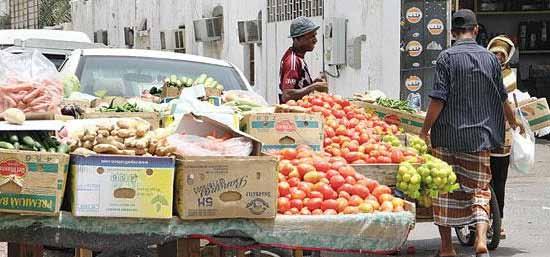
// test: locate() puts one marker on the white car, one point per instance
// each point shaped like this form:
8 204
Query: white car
128 72
56 45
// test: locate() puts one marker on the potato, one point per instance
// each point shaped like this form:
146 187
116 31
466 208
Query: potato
103 132
106 148
88 144
105 126
152 147
88 137
83 151
140 151
130 142
125 133
128 152
123 124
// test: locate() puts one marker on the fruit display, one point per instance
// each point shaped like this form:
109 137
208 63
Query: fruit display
428 180
38 141
131 136
417 143
315 184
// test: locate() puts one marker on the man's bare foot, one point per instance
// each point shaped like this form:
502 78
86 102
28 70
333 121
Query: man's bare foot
502 234
446 253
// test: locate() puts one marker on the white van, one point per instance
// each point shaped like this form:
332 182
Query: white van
56 45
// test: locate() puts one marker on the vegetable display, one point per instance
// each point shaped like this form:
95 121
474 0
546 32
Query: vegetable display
126 107
313 184
44 96
402 105
39 141
183 82
130 136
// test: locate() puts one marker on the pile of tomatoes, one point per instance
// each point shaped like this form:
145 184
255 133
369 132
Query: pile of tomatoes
312 183
357 136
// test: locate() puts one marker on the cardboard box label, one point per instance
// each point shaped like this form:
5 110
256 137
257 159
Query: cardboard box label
32 182
24 202
226 187
122 186
285 130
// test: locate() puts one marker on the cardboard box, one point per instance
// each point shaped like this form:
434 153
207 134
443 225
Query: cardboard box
226 187
537 113
122 186
32 182
410 122
152 117
284 130
168 91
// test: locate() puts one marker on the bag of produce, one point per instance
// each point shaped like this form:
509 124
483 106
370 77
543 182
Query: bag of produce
29 82
522 158
190 145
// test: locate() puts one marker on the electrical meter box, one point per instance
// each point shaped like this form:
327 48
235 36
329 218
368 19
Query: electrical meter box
335 40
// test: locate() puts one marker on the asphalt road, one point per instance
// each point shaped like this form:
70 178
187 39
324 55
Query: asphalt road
527 218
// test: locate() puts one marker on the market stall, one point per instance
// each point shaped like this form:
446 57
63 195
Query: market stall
117 175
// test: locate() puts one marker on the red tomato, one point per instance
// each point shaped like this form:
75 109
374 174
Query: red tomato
397 156
337 181
317 101
330 204
329 132
344 194
314 203
304 168
305 211
296 193
293 182
331 173
285 167
372 184
346 188
321 165
305 186
327 192
359 162
283 204
361 191
351 180
355 200
384 159
352 156
288 154
315 194
284 188
346 171
317 212
296 203
380 190
337 165
342 204
330 212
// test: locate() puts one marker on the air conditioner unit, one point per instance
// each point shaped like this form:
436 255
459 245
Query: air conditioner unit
101 36
250 32
208 29
172 40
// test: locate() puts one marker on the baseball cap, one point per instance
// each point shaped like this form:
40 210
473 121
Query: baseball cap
464 19
301 26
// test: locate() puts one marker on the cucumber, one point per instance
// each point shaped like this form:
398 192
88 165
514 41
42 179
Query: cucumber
28 141
14 139
63 148
16 145
26 147
6 145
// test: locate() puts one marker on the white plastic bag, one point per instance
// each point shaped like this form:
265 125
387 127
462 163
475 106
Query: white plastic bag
522 158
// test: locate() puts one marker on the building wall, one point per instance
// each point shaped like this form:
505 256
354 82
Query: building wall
378 20
4 4
24 14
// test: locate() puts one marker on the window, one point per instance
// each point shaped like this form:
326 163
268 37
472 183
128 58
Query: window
284 10
129 76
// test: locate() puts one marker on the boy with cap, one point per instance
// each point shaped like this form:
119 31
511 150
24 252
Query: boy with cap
466 121
295 79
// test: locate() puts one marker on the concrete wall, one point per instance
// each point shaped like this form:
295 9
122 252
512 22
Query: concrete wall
378 20
4 8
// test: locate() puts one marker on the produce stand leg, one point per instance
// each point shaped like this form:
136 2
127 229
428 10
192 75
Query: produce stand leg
297 253
23 250
81 252
181 248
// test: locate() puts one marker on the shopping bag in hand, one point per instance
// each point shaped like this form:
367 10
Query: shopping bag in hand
522 158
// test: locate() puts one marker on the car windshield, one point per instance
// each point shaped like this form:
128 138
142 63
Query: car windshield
129 76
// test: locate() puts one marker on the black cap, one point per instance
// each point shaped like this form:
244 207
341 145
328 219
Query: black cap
464 19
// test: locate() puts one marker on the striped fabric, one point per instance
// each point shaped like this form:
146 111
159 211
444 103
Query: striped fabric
469 80
470 204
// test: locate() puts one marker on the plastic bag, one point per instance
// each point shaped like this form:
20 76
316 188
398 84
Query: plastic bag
522 158
29 82
190 145
233 95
